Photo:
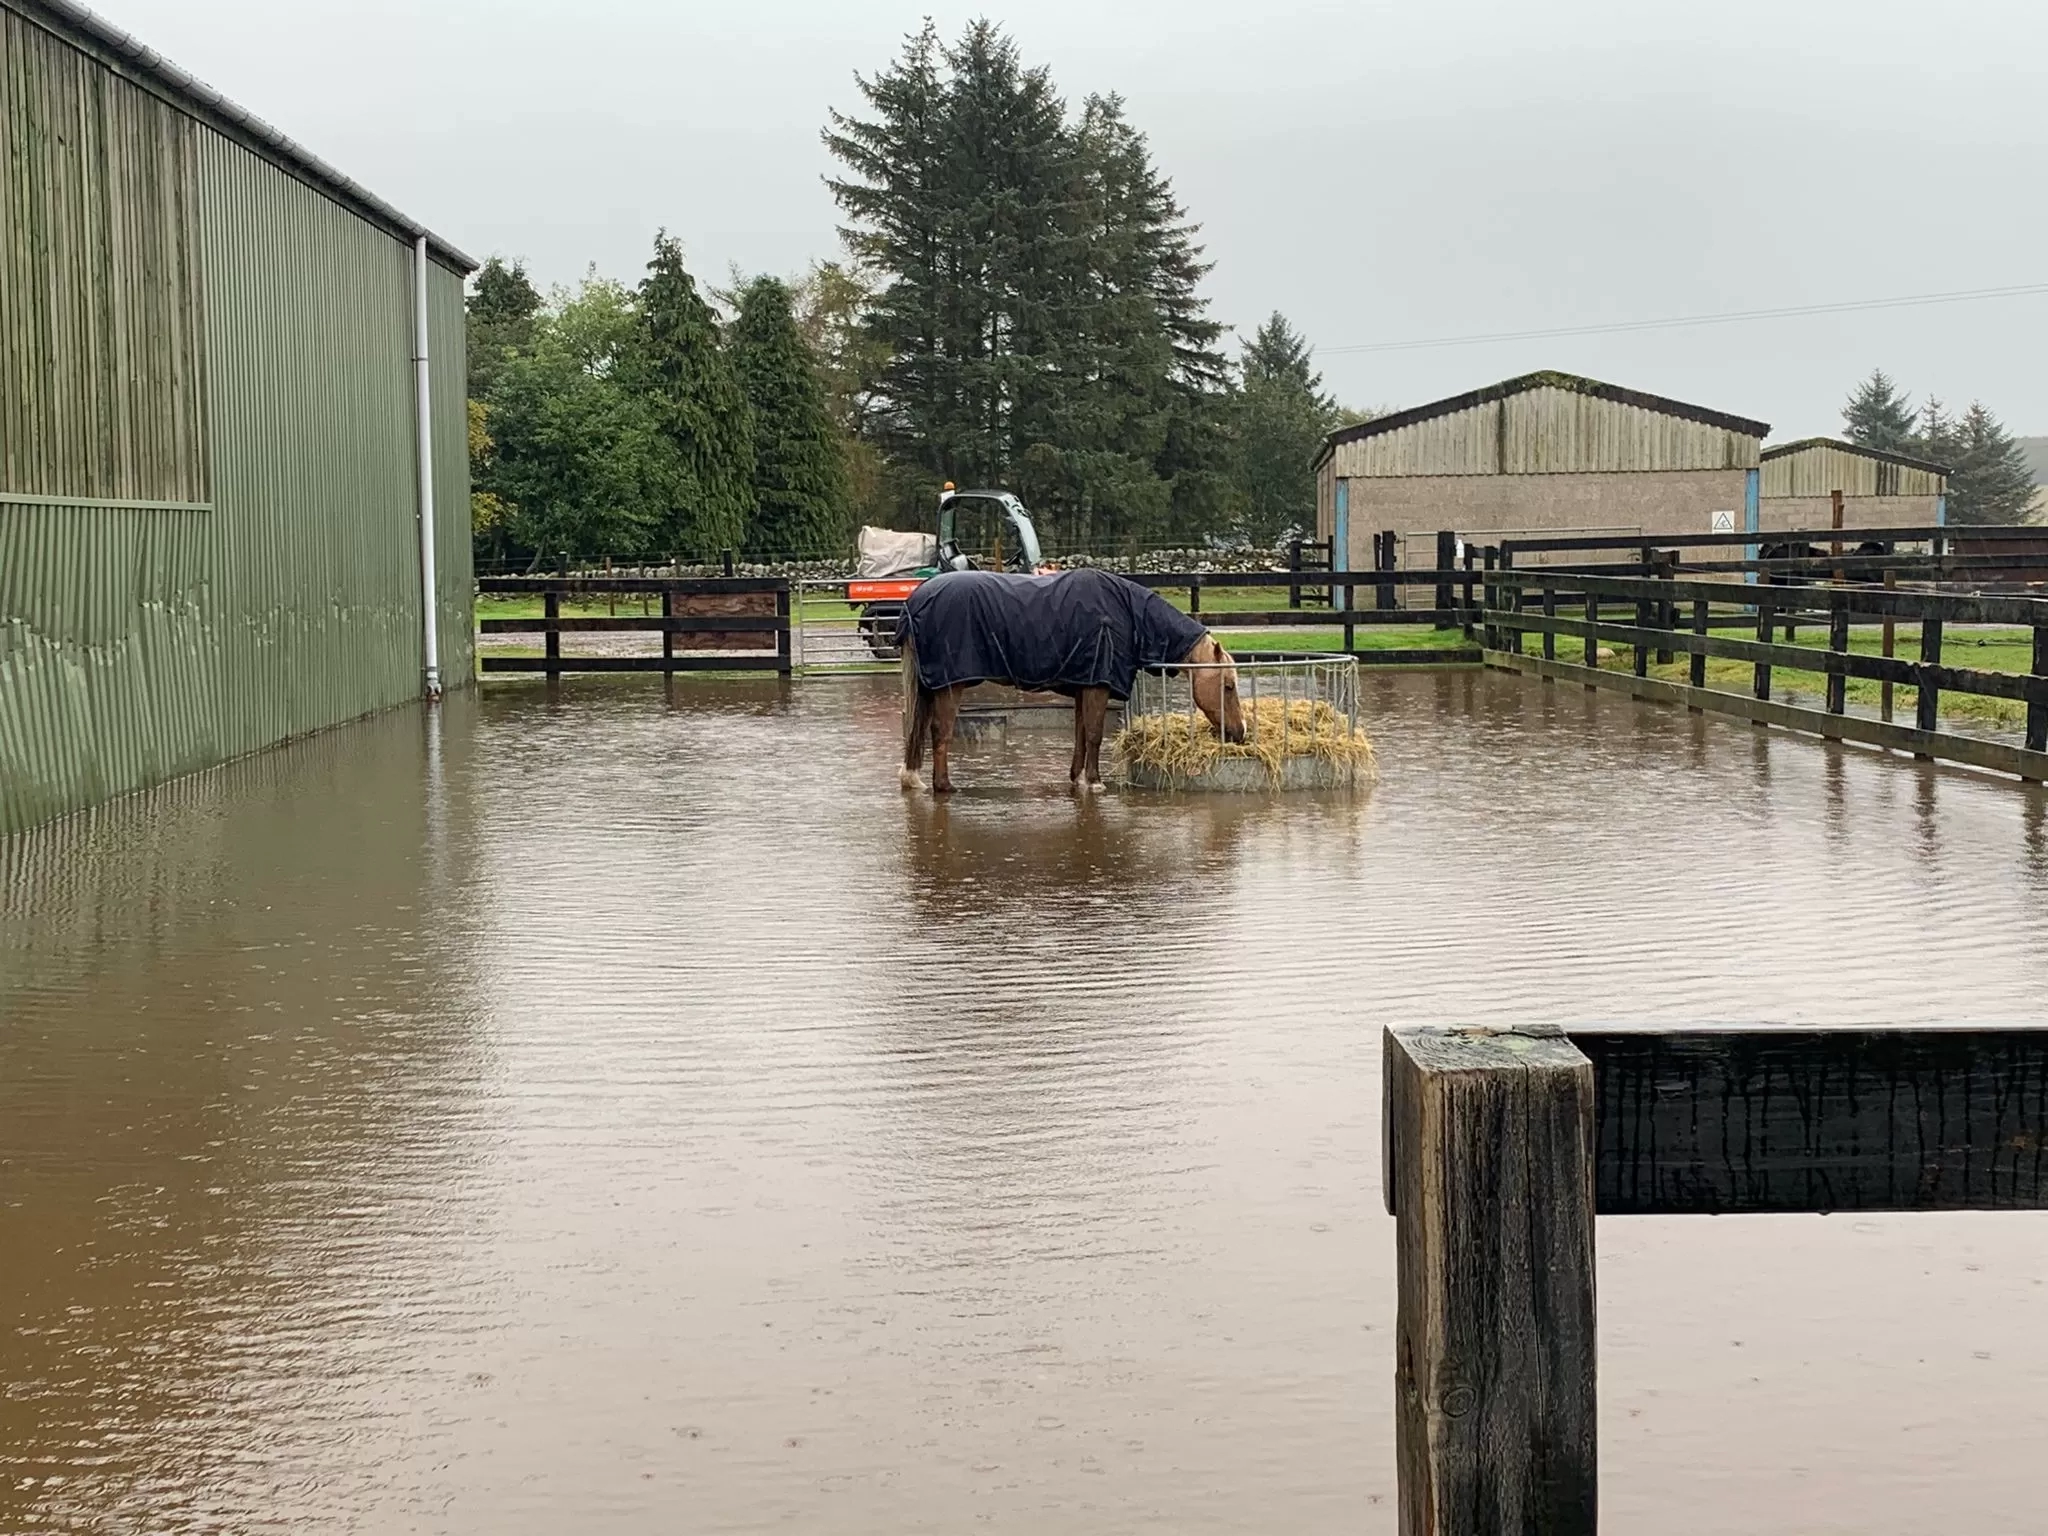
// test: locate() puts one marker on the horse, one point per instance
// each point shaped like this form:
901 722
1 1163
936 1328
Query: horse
1083 633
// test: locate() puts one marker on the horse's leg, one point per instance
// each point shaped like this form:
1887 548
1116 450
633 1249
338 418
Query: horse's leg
917 719
945 710
1080 762
1090 711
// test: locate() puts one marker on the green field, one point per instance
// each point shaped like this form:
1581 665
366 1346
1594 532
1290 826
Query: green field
1986 650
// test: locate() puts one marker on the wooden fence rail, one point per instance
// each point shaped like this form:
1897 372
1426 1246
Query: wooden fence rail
1501 1146
688 607
1675 615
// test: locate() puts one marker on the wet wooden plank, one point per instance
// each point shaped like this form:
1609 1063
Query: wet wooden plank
679 624
742 661
685 586
1871 601
1490 1174
1320 618
1392 656
1725 1121
1913 535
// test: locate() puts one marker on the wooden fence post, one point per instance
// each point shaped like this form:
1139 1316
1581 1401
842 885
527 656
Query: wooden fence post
1446 558
782 608
1891 635
1549 616
1838 643
1489 1171
1592 625
1696 671
1765 622
1927 714
2037 714
1667 610
1489 602
551 609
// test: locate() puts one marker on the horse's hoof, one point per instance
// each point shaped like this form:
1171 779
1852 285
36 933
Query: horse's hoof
908 780
1095 786
942 789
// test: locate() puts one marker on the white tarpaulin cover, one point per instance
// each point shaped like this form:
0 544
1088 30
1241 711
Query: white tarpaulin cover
886 553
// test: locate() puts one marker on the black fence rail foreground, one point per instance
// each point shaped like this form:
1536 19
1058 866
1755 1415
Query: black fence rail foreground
1500 1148
1527 601
690 605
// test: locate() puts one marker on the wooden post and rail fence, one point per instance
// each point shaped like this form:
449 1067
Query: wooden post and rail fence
1522 602
1659 605
749 614
1501 1147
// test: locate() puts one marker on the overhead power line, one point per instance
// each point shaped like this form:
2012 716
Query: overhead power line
1731 317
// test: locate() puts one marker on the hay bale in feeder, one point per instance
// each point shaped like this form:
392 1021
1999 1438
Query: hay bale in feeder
1290 744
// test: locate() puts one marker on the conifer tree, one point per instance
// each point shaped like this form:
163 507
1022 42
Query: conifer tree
1282 415
1992 481
1038 299
1878 414
682 366
800 495
498 317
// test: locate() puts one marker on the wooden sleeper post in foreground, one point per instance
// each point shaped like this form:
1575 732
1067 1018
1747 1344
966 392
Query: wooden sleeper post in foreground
1489 1174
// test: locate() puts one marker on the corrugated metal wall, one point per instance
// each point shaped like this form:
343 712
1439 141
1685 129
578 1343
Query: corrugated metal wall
138 642
1819 469
101 370
1546 431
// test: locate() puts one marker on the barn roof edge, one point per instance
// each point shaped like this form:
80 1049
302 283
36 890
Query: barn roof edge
1521 384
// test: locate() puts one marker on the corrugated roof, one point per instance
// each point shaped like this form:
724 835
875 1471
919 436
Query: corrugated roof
150 69
1547 379
1882 455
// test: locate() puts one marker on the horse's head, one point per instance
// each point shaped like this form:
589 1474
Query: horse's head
1213 678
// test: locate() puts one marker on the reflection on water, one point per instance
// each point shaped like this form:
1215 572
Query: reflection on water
619 1105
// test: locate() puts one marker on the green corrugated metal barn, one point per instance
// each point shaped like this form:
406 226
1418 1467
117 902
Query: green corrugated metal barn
210 485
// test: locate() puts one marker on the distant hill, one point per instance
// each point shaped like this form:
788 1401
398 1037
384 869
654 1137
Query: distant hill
2036 450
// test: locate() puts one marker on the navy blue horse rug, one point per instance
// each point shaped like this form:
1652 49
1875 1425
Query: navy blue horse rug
1053 634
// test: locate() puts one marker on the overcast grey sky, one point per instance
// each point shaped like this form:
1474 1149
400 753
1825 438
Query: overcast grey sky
1379 172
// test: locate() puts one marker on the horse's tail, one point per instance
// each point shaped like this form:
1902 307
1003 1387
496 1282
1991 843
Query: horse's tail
917 717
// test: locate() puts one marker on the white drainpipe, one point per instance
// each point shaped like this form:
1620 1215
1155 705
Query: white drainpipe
423 390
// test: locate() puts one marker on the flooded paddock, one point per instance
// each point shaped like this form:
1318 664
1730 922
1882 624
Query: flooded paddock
622 1110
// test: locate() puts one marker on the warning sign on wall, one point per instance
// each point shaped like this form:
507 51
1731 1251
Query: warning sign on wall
1724 522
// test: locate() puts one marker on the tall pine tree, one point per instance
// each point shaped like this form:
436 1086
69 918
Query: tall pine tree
499 317
682 365
800 494
1992 482
1282 415
1038 299
1878 414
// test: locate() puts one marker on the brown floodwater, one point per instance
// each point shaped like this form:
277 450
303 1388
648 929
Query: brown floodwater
624 1111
